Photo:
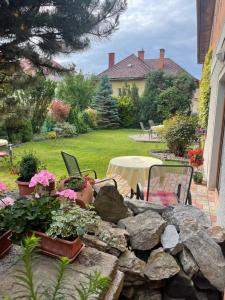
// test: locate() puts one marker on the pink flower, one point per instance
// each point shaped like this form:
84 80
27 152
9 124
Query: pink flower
68 193
6 201
2 187
43 178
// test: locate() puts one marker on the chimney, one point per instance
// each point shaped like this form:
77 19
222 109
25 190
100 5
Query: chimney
161 58
141 54
111 59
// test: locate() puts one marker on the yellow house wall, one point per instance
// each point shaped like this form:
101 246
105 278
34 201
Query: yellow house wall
119 84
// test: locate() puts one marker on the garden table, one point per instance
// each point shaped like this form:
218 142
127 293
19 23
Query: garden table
3 142
133 169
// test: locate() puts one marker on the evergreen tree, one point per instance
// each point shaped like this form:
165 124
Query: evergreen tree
105 105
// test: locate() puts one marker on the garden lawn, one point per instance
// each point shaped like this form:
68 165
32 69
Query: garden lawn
93 150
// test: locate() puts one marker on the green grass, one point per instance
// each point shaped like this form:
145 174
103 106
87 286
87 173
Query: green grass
93 150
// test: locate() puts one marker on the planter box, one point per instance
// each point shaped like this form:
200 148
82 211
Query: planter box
58 247
5 242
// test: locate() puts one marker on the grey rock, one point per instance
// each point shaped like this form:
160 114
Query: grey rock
188 263
147 294
182 213
217 233
206 252
161 265
140 206
133 268
170 240
109 204
144 229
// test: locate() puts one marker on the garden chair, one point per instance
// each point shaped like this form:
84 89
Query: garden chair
6 151
167 185
73 169
145 130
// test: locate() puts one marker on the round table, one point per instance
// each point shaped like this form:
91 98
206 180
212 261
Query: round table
3 142
133 169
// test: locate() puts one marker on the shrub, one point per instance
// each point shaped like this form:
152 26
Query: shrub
126 111
51 135
59 110
65 129
90 117
48 124
19 131
179 133
28 167
26 131
76 118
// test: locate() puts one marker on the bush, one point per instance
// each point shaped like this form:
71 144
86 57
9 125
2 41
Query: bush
59 110
51 135
126 111
19 131
65 129
179 133
76 118
28 167
26 131
90 117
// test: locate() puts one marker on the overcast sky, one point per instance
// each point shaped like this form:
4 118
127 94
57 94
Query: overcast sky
151 25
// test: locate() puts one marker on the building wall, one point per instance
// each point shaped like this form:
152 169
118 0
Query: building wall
219 17
195 102
119 84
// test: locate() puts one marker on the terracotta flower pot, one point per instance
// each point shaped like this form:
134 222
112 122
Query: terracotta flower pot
24 189
5 242
58 247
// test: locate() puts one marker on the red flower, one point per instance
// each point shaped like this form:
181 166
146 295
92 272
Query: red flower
196 156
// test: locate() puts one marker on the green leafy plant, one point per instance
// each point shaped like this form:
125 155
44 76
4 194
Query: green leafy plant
28 167
56 290
70 221
179 133
90 117
76 184
198 177
65 129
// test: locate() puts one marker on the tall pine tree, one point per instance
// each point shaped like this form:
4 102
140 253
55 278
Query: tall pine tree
105 105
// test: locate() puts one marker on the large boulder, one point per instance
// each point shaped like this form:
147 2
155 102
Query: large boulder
183 213
188 263
109 204
161 265
206 252
141 206
217 233
133 268
144 229
170 240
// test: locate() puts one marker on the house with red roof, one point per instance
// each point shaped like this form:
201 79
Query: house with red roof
135 69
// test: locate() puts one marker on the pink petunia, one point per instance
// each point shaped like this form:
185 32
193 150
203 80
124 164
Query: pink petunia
43 178
68 193
6 202
2 187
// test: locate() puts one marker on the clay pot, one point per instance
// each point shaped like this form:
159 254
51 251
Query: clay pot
58 247
5 242
24 189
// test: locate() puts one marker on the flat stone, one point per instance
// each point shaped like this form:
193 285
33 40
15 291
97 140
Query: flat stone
116 287
161 265
170 240
206 252
133 268
188 263
109 204
89 261
217 233
182 213
141 206
144 229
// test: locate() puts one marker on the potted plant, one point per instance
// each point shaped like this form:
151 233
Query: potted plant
83 188
196 157
43 182
198 177
28 167
5 233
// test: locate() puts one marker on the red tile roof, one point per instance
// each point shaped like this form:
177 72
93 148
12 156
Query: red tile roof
134 68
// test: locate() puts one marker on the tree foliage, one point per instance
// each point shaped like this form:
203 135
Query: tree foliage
165 95
105 105
204 91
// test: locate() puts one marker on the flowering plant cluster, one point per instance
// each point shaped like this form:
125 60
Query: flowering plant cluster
78 184
68 194
196 157
42 178
6 201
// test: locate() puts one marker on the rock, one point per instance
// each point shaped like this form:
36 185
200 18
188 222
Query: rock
147 294
161 265
217 233
188 263
144 229
109 204
133 268
170 240
128 292
202 283
140 206
116 287
181 286
206 252
181 213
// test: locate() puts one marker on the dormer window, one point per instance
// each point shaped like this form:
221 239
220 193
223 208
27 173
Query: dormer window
129 65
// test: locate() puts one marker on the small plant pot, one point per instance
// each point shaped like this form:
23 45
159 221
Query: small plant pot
58 247
5 242
24 189
198 177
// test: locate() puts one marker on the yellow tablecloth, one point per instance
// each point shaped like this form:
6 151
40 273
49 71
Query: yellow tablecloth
3 142
133 169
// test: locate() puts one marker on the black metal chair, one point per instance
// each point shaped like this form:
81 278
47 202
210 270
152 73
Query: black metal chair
167 185
73 169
